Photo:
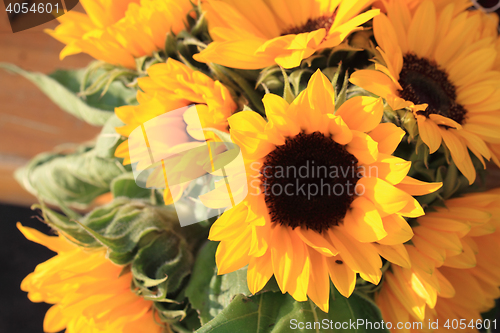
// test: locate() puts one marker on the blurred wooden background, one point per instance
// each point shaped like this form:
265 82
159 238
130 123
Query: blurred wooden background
29 122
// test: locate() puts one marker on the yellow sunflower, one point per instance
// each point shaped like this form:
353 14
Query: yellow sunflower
326 197
438 63
454 270
261 33
168 87
118 31
90 294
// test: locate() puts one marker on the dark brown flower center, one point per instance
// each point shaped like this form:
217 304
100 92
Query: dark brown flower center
424 82
324 21
309 182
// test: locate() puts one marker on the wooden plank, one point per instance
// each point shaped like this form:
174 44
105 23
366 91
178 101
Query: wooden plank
29 122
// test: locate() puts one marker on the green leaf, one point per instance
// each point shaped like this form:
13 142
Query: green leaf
275 312
108 140
210 293
125 186
62 88
204 285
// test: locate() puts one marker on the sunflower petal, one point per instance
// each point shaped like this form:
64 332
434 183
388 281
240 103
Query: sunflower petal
363 147
260 270
363 221
362 113
319 282
342 276
396 254
388 137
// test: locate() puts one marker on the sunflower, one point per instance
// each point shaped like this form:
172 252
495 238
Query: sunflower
326 197
447 81
261 33
118 31
454 274
89 292
168 87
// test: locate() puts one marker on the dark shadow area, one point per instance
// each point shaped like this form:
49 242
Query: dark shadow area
18 258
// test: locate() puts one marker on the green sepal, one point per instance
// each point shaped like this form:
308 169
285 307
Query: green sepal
341 95
135 232
422 151
68 227
269 79
161 265
288 95
122 223
69 179
297 81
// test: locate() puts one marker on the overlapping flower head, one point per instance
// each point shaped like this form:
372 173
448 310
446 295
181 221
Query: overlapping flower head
279 230
454 273
89 292
435 61
261 33
168 87
118 31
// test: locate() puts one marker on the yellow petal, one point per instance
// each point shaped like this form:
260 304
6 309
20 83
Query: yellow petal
429 132
276 112
363 147
430 250
362 113
55 320
317 241
288 260
374 81
442 239
459 153
423 24
385 196
342 276
389 168
320 93
414 186
319 282
56 244
363 221
260 270
388 137
360 257
339 130
236 54
233 255
440 120
230 224
398 230
396 254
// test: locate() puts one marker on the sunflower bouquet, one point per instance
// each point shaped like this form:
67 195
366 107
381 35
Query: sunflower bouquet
272 166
